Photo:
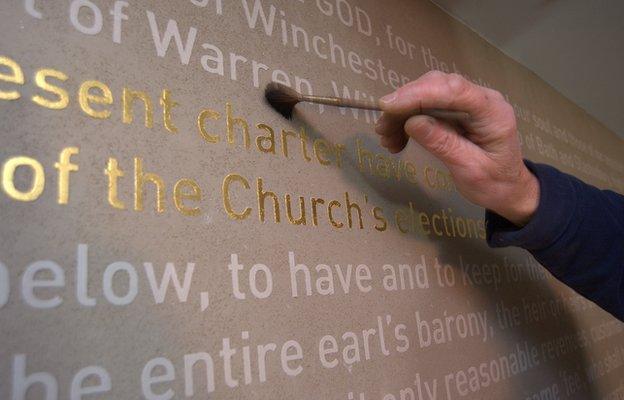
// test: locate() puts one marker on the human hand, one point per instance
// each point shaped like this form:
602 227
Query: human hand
482 153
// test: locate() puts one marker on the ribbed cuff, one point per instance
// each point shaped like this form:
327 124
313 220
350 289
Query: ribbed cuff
554 212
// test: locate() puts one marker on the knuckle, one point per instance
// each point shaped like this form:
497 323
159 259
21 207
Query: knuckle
434 74
508 110
494 95
501 119
508 118
457 83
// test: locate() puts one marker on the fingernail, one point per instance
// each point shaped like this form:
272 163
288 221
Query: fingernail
389 98
428 125
420 124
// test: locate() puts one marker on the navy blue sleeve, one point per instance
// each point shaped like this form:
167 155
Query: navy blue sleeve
577 233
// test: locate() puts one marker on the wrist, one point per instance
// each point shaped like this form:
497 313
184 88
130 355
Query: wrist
523 200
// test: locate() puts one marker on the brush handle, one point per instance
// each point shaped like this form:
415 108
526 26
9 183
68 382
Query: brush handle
447 115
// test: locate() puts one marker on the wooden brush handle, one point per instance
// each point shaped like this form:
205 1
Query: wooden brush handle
447 115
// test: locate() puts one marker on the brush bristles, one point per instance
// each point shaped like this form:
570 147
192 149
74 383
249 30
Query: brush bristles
282 98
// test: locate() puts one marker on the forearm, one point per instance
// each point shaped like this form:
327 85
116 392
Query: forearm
576 233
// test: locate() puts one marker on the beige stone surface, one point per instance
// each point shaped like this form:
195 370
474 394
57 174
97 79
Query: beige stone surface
88 329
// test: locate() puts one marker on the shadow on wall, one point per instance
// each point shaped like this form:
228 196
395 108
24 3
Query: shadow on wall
474 251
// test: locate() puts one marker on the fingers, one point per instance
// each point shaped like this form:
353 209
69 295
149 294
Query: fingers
491 123
482 153
440 139
437 137
439 90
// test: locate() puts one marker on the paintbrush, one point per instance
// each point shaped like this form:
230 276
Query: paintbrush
284 99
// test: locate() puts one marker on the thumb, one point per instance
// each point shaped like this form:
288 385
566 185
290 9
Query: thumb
440 139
